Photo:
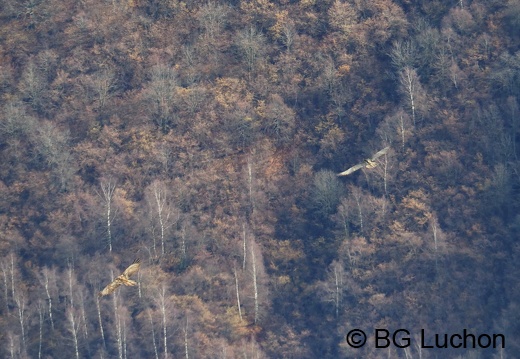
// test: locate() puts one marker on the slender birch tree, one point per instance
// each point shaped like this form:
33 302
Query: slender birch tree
21 302
73 328
237 290
162 214
412 89
258 281
107 189
49 284
100 321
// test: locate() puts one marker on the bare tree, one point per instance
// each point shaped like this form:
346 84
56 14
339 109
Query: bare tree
326 193
162 302
343 17
21 303
139 287
408 80
357 195
186 351
237 290
15 122
156 351
254 275
244 246
14 345
48 281
33 85
53 147
251 349
212 18
404 127
10 275
162 213
438 237
250 188
383 174
403 54
258 281
5 275
73 328
107 188
343 216
397 127
71 282
83 314
100 321
334 286
383 171
161 93
278 120
119 325
289 34
124 340
252 44
40 327
102 83
13 272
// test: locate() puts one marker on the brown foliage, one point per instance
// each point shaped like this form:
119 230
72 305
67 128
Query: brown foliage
239 115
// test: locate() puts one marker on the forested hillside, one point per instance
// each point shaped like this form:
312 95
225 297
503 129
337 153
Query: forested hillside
205 138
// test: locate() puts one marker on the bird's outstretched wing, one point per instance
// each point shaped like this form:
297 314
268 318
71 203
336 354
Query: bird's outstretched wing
367 163
380 153
122 279
132 269
352 169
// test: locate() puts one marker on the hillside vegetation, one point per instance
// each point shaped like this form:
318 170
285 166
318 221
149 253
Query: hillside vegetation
204 137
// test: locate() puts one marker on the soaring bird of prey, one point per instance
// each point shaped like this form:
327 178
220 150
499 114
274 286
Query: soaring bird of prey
122 279
368 163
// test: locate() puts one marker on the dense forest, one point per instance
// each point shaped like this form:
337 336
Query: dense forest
205 138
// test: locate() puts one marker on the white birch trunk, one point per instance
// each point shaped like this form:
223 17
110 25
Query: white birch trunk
83 315
108 189
20 304
186 354
49 298
40 336
73 330
117 321
124 338
244 242
337 295
101 331
153 336
238 294
255 285
5 276
160 201
12 277
183 243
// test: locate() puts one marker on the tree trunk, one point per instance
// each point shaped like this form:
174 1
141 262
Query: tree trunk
238 293
108 189
73 330
101 331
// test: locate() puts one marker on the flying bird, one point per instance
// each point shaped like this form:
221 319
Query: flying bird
368 163
122 279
